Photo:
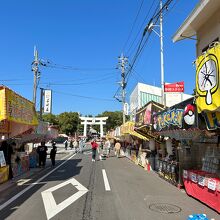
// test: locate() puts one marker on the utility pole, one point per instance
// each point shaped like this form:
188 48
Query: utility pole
35 69
122 63
41 102
163 100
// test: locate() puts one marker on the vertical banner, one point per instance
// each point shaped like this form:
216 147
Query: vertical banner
207 80
47 101
126 109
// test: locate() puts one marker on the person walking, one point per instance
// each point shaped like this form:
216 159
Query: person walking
53 152
94 147
108 146
66 144
117 148
42 152
81 145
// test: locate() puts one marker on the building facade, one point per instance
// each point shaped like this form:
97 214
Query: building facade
143 93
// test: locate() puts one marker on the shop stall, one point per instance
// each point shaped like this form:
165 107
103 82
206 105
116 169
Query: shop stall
143 122
17 117
132 142
181 127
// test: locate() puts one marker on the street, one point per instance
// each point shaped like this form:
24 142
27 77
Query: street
111 189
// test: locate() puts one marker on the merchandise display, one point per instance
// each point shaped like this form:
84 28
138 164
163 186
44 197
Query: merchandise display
204 186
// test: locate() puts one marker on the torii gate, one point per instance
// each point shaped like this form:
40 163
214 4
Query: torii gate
93 121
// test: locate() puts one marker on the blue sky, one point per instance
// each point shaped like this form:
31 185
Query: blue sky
89 35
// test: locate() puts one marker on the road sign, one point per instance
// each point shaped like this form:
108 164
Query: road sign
50 205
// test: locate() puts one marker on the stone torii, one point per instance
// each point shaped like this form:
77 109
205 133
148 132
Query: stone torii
93 121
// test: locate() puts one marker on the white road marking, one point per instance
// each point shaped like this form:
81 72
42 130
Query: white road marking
98 150
105 178
50 205
22 181
30 186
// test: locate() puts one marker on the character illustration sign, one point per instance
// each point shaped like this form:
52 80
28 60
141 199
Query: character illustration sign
207 80
180 116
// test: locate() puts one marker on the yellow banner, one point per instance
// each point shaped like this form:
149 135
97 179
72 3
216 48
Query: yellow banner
207 80
2 105
15 108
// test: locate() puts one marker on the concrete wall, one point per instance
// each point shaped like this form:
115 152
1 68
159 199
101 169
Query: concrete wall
208 32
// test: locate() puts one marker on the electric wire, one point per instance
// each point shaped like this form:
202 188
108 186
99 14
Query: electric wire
135 20
85 97
141 27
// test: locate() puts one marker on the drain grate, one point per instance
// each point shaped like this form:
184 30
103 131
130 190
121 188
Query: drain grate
164 208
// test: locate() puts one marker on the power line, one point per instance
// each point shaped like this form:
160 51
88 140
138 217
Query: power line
141 27
85 97
135 20
59 66
84 83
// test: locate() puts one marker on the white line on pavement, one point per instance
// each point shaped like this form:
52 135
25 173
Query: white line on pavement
105 178
30 186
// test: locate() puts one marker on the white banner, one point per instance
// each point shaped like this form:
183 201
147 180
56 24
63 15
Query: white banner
47 101
126 109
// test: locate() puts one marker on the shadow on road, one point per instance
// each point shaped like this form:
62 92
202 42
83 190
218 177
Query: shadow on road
63 173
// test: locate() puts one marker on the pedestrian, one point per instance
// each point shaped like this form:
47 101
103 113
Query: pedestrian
94 147
81 145
75 145
108 146
42 152
117 148
66 144
53 152
71 144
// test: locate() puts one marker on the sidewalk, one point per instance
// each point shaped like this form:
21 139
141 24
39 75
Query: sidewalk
25 177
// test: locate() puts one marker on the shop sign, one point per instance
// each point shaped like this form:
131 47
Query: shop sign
180 116
174 87
212 120
144 116
201 180
47 101
15 108
127 127
172 117
207 80
212 184
2 159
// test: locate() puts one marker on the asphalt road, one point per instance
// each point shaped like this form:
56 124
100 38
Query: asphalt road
112 189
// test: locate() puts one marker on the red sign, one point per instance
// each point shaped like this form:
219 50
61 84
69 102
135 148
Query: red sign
174 87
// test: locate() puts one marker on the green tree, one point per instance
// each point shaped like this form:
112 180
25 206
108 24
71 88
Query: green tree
51 118
68 122
114 119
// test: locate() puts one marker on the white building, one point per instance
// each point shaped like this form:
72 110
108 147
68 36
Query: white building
143 93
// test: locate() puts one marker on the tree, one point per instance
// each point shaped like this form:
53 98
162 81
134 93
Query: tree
114 119
68 122
51 118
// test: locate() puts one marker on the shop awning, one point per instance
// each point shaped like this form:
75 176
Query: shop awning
144 131
128 128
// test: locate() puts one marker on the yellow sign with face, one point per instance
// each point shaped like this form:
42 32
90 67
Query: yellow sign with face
207 80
